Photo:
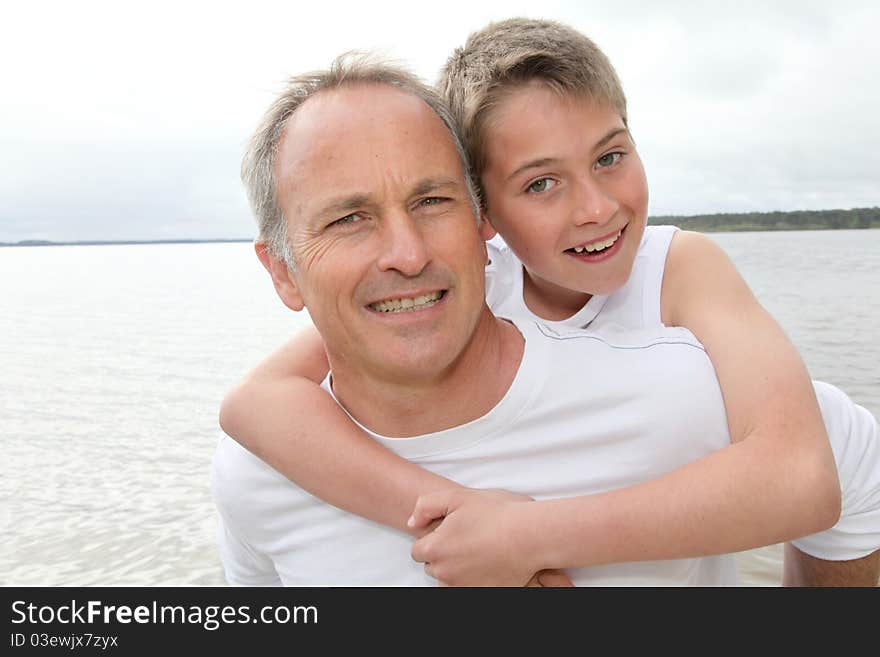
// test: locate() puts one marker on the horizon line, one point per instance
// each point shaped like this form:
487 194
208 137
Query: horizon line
182 240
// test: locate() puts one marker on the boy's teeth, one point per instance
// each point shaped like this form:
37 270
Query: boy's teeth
407 303
597 246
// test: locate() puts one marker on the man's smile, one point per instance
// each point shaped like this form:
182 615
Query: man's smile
408 303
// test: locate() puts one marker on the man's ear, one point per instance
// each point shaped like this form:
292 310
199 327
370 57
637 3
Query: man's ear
282 279
487 230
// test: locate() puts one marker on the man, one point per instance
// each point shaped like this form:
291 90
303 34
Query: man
382 218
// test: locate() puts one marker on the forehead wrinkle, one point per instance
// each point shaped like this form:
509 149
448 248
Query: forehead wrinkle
308 142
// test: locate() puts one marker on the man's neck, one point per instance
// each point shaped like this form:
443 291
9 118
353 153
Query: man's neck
468 389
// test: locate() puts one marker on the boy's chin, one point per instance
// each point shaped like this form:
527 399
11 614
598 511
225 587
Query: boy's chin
611 284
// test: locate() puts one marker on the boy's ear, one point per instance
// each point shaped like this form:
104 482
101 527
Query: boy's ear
282 279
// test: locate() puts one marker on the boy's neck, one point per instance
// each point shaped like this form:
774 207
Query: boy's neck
550 301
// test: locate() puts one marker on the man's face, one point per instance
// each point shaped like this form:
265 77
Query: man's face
389 257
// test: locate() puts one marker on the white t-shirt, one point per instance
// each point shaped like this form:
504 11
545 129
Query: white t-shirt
852 430
586 413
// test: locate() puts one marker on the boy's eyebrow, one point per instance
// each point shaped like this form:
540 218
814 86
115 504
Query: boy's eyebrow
533 164
611 135
544 161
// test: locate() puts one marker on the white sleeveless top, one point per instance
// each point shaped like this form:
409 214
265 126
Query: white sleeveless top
852 429
636 305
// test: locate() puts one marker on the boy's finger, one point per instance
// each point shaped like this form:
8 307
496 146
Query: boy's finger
535 582
419 551
553 578
430 506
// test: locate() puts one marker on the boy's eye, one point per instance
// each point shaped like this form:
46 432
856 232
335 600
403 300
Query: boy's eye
542 185
608 159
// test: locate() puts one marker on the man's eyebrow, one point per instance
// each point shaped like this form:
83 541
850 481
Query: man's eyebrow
544 161
343 205
429 185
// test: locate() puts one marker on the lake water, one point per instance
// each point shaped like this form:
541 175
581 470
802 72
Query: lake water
115 359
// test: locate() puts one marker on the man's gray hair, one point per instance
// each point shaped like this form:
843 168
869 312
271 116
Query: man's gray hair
349 69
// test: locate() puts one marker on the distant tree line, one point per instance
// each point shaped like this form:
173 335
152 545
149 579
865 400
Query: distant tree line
797 220
704 223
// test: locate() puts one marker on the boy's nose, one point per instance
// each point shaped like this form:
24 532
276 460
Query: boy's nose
593 205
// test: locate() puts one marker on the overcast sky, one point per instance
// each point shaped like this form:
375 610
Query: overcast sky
126 120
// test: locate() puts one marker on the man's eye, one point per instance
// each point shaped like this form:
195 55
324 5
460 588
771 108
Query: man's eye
432 200
347 219
608 159
542 185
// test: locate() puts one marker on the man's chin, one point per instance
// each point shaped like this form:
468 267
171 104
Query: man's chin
415 358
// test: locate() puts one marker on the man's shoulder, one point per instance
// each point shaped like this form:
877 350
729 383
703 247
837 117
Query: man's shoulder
238 477
232 460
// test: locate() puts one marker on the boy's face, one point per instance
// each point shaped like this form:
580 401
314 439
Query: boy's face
566 189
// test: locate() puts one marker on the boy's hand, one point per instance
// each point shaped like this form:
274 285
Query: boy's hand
477 542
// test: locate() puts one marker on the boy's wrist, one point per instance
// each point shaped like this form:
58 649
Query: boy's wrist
526 536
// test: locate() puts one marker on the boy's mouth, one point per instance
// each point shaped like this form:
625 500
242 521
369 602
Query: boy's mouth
597 247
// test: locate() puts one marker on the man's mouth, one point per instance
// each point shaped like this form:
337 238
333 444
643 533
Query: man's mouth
408 304
598 246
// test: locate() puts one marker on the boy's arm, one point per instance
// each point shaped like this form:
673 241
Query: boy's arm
281 414
785 470
776 481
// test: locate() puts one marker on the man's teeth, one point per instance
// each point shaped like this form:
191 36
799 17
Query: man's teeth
407 304
597 246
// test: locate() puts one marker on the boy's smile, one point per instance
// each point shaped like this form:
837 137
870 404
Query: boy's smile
599 248
566 189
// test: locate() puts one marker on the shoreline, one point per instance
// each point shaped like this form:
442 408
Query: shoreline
702 229
126 242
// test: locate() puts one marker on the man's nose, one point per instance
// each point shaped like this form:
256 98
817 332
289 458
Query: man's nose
593 204
403 247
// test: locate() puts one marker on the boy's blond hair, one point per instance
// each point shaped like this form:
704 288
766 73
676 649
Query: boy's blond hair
506 55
